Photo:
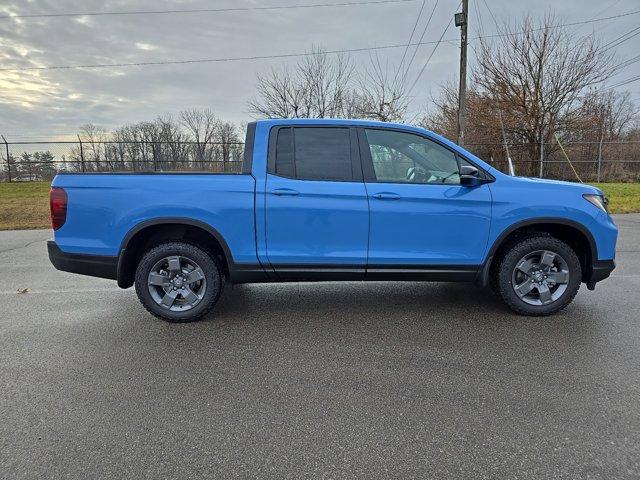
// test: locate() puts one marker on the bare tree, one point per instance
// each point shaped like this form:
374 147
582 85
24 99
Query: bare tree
605 114
323 85
380 97
535 73
317 87
172 142
94 138
201 126
228 145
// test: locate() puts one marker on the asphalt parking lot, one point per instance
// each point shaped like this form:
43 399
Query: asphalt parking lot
332 380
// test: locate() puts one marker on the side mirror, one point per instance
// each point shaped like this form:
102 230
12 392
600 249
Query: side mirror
469 176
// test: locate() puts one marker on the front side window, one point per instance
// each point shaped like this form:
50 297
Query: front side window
309 153
400 157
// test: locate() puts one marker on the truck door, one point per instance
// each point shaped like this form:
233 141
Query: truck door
317 213
421 217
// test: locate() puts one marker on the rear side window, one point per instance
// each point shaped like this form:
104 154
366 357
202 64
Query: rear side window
308 153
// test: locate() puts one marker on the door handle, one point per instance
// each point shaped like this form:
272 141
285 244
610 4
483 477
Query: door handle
281 192
386 196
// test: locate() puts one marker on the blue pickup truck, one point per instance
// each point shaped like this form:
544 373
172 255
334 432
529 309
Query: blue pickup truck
330 200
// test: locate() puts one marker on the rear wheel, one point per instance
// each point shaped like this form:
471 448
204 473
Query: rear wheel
178 282
539 275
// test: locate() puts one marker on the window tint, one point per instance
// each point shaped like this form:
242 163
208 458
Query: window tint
284 153
408 158
322 153
314 153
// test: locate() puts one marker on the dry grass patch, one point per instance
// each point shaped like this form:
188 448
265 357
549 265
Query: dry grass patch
24 205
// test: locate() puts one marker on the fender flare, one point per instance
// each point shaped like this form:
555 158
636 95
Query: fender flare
171 220
482 278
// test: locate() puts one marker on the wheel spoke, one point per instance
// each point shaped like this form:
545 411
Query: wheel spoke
545 294
169 298
558 277
189 296
174 264
524 288
547 258
195 275
158 279
525 266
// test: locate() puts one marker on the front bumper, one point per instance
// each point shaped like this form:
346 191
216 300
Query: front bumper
600 270
93 265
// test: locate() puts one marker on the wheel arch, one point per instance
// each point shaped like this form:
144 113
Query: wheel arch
575 234
154 231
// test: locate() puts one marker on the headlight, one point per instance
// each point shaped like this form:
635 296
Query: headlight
599 201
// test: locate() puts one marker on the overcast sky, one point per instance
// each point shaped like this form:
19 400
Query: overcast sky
48 103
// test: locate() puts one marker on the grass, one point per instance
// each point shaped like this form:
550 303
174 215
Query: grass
25 205
623 197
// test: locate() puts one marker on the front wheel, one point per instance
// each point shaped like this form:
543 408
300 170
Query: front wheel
539 275
178 282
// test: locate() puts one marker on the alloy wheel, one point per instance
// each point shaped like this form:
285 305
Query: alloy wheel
540 277
177 283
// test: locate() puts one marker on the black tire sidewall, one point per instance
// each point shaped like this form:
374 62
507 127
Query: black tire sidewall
523 247
209 265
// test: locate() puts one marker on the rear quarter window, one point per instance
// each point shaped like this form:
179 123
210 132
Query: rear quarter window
308 153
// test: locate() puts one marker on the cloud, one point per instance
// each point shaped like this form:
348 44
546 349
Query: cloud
145 46
61 100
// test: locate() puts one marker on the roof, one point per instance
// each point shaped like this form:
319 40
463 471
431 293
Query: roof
338 122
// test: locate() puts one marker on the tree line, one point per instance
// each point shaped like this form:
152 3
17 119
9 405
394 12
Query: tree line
533 87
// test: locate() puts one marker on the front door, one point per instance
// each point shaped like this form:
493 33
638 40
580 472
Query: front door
420 214
316 202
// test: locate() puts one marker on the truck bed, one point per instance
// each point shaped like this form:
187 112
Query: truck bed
104 208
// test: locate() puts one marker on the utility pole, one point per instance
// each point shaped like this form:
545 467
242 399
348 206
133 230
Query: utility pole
6 146
461 20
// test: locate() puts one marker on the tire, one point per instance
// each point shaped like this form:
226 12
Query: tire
552 279
178 282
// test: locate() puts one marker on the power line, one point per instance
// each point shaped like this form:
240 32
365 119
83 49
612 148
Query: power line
608 7
435 47
404 54
202 10
478 18
424 31
626 63
626 82
289 55
622 38
211 60
491 13
583 22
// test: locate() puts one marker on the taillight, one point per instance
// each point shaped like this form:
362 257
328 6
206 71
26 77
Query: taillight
58 203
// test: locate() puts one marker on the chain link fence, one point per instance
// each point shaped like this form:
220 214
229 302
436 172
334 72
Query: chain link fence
617 161
41 161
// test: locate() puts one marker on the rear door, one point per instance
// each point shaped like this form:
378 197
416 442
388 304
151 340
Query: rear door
420 214
317 215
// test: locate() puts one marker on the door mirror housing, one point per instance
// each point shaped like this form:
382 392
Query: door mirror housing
470 176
